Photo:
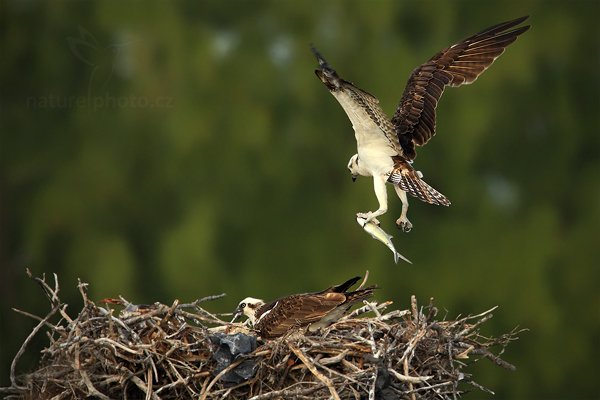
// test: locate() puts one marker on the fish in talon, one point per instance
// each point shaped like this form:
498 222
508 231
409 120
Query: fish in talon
379 234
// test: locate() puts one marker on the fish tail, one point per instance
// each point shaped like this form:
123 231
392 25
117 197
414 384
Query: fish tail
398 256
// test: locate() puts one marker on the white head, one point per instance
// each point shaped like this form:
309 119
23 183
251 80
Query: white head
353 167
248 307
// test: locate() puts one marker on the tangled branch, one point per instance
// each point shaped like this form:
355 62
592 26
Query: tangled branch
184 351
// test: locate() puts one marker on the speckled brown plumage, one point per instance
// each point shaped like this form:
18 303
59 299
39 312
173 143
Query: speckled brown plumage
456 65
386 147
282 315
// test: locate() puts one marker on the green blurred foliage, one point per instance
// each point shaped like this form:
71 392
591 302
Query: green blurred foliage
163 150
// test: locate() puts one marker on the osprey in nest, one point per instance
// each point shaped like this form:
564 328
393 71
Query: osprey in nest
386 148
315 310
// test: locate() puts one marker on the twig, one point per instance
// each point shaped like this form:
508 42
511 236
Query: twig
48 324
413 307
326 381
168 351
364 281
140 384
92 391
196 302
411 379
287 393
334 360
231 366
13 365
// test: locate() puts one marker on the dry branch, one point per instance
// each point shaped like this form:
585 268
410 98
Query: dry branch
183 351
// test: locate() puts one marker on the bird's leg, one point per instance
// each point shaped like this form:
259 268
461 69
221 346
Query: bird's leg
403 222
381 193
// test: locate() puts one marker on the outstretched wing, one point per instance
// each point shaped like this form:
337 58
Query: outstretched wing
462 63
368 119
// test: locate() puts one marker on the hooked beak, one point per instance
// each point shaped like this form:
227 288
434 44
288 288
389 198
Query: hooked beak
354 178
236 314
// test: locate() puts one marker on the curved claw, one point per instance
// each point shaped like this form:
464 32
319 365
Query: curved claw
366 216
404 224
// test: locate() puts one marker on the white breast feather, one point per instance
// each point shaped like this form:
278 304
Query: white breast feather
265 314
374 149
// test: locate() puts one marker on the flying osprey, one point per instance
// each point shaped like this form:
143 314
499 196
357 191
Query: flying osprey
386 148
317 310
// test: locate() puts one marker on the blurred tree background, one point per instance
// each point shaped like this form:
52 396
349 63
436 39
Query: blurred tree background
163 150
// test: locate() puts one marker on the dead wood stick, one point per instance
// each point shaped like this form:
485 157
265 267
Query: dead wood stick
410 385
169 313
364 309
415 310
481 314
314 371
373 307
92 391
149 392
394 314
161 308
345 378
482 388
287 392
140 383
407 378
202 300
364 282
231 366
179 381
351 366
412 343
372 386
429 387
13 365
52 294
471 328
116 344
48 324
335 359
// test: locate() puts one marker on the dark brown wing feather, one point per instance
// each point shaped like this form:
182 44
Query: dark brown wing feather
303 309
462 63
296 311
342 288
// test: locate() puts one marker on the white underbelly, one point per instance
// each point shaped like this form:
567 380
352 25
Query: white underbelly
376 156
375 151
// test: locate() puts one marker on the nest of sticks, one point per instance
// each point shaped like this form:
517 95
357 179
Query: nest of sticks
183 351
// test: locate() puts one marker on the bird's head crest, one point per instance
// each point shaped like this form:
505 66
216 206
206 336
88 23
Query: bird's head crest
248 307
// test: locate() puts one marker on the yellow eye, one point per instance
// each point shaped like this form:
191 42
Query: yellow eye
243 305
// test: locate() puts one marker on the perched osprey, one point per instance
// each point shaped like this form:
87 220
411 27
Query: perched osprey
317 310
386 148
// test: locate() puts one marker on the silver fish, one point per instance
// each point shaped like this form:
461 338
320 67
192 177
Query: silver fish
376 232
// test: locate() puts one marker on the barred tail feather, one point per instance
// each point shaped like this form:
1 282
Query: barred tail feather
411 183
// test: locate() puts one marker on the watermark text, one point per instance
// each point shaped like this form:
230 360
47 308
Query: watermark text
95 103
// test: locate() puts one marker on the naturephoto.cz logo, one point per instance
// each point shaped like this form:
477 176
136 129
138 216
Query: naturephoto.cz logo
103 62
98 102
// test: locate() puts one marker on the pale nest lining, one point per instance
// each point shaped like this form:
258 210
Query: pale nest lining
183 351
